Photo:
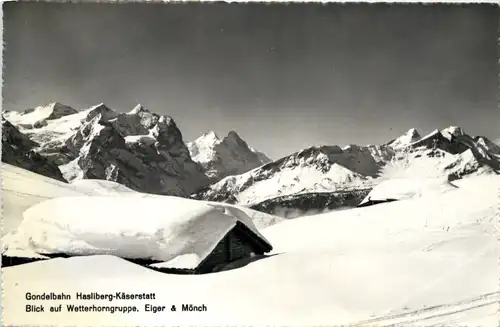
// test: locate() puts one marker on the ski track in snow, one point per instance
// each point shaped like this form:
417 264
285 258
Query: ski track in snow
436 311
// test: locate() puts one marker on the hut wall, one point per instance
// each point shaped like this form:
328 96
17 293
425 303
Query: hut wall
232 247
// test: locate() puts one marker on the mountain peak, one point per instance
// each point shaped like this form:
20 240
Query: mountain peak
233 138
38 116
210 135
233 134
413 132
406 139
229 156
137 109
452 131
101 109
99 106
55 104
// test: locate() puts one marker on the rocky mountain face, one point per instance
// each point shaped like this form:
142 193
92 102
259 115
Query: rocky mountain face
331 169
18 150
138 149
229 156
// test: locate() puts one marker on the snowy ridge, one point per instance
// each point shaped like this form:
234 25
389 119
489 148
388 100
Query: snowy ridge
229 156
310 170
488 144
39 116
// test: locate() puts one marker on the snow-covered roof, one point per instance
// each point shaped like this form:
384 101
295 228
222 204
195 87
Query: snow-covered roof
406 188
159 228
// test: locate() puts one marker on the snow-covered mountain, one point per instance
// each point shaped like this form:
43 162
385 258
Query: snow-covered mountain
139 149
450 153
229 156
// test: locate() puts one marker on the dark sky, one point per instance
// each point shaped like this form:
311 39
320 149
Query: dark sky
283 76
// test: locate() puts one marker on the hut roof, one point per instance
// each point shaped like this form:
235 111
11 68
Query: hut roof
158 228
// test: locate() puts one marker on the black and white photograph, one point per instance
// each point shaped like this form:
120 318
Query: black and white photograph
250 164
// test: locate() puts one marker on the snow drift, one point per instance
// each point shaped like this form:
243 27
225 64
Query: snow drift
157 228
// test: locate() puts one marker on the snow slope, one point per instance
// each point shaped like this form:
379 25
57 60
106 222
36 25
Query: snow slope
431 260
229 156
403 189
22 189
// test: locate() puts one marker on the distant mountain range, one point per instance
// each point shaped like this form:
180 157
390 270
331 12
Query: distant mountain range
146 152
449 153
